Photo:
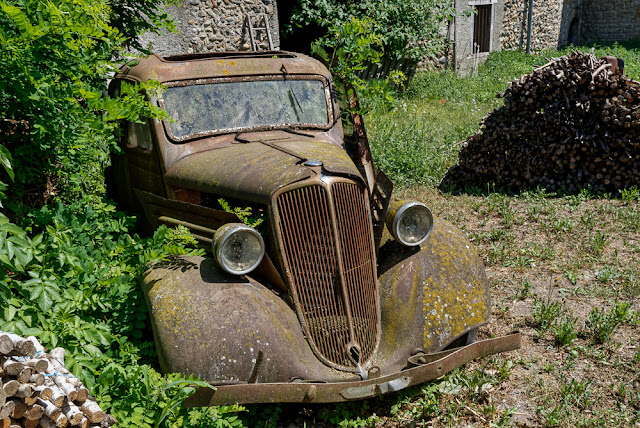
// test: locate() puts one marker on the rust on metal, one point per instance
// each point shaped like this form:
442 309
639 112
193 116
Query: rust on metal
325 234
335 311
437 365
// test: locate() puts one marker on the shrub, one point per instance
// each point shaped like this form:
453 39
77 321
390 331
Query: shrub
407 29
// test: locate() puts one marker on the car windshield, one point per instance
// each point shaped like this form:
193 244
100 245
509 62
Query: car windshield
202 109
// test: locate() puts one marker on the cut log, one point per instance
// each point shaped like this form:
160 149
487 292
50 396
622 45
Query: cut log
24 390
43 391
39 364
62 421
50 409
6 344
19 409
34 412
7 409
11 387
66 387
91 409
30 401
36 379
25 375
12 367
29 423
83 394
21 346
37 345
58 398
84 423
73 414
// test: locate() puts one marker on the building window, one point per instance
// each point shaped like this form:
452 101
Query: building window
482 24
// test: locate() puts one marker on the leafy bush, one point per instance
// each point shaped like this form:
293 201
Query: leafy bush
55 120
69 274
407 29
564 332
348 49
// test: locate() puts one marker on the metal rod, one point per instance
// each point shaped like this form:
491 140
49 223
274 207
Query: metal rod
529 27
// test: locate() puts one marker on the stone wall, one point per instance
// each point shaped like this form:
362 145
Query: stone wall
551 27
214 26
611 20
559 23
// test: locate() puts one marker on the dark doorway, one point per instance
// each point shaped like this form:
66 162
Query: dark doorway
482 29
574 32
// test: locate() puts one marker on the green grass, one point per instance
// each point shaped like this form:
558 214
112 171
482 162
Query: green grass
417 141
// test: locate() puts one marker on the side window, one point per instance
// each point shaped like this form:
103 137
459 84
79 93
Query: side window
139 135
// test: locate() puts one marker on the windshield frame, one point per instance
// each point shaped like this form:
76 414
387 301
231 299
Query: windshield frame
235 79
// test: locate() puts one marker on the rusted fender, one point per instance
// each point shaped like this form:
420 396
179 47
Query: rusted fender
432 367
430 296
214 325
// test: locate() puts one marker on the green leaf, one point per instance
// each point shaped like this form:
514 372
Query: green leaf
5 161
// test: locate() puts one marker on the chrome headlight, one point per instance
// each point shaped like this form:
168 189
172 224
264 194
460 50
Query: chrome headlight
409 223
238 248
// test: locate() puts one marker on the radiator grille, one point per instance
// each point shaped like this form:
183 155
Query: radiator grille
331 268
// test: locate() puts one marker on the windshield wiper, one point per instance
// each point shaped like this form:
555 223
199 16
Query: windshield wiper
291 93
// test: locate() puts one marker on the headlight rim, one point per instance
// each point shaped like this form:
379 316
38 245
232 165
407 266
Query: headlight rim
398 217
222 236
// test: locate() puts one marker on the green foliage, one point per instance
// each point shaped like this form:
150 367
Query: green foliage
72 281
545 314
564 332
56 57
349 415
348 49
141 397
245 215
602 324
630 195
406 29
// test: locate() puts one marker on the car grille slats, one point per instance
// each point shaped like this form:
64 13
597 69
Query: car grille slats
357 255
325 234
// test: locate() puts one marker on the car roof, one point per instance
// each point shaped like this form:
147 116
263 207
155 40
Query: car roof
222 64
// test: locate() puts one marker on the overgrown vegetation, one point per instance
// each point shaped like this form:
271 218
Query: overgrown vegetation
69 271
406 29
564 270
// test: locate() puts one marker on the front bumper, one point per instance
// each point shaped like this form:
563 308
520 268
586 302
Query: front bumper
427 367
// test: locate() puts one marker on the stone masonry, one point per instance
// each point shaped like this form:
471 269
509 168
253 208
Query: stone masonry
214 26
552 21
558 23
611 20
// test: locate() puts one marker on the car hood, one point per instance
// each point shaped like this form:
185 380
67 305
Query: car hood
252 171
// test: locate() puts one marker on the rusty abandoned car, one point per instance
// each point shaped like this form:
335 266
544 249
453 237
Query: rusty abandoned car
318 303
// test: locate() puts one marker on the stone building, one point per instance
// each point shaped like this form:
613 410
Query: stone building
483 26
215 25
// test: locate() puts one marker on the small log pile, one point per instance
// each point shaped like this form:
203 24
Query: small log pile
36 390
568 125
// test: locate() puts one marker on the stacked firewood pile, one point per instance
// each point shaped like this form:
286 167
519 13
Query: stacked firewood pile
569 124
36 390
